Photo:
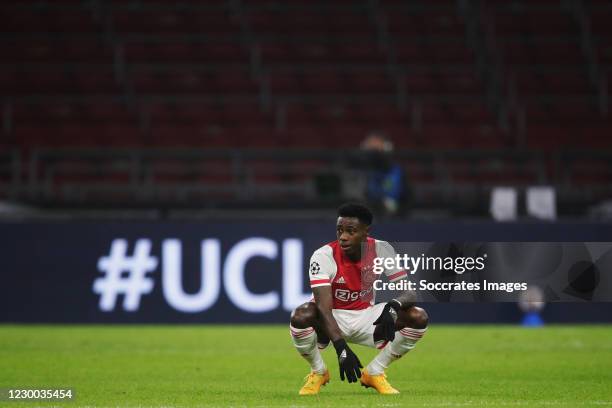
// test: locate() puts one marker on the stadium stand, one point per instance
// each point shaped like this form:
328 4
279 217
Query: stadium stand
468 91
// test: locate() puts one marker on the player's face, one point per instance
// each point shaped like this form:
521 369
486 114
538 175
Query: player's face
351 233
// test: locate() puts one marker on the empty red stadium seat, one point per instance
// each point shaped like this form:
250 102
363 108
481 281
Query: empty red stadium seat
56 50
445 136
371 82
380 114
192 135
73 20
184 52
173 21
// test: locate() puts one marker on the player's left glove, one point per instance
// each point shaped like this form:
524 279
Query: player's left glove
387 319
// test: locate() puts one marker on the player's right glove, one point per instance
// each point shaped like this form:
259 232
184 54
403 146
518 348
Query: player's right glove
348 361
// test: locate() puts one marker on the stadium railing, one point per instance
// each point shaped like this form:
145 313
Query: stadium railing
454 181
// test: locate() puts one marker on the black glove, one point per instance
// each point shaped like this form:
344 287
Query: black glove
348 361
387 319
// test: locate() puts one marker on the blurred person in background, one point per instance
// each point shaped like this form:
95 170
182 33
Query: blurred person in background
386 187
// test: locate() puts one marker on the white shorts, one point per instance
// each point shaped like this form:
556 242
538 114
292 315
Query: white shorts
357 325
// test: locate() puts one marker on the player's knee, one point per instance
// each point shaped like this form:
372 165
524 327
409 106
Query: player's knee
418 318
304 316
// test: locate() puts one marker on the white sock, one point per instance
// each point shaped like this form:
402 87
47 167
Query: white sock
404 341
305 342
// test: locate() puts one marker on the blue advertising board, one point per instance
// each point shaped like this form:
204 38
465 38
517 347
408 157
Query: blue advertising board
220 272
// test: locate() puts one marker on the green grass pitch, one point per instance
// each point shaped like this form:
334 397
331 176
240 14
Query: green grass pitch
256 366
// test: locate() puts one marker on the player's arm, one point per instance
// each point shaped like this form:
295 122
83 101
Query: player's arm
402 300
347 360
324 301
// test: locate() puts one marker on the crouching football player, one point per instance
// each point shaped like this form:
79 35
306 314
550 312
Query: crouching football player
343 309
